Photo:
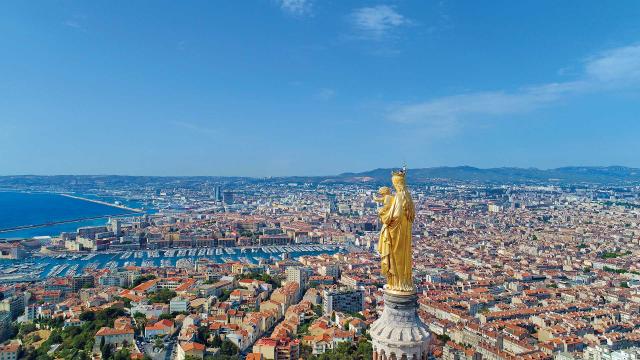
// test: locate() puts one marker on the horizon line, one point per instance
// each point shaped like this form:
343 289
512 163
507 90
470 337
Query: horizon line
333 175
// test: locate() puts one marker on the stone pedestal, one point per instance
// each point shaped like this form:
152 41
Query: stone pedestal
399 334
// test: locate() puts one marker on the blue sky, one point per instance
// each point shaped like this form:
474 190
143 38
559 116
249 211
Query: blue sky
267 87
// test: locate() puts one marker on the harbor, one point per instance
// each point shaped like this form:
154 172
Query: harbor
69 264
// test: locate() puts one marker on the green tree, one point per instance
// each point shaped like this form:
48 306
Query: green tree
306 351
203 335
224 296
26 328
166 316
228 348
364 349
140 317
162 296
158 344
87 316
347 351
139 280
217 341
106 351
222 357
123 354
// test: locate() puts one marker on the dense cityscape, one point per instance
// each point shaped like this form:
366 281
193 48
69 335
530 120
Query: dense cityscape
319 180
265 269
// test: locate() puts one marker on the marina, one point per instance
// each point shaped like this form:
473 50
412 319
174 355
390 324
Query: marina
40 267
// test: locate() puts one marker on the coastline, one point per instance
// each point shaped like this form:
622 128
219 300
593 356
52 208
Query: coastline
53 225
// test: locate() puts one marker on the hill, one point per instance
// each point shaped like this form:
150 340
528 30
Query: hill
565 175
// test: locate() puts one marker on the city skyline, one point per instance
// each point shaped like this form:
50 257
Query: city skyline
316 88
319 180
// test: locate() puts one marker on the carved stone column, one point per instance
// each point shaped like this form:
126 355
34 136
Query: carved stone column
399 333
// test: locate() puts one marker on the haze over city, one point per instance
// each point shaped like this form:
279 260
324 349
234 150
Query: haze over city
297 87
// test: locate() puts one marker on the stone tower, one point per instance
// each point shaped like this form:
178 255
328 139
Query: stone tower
399 334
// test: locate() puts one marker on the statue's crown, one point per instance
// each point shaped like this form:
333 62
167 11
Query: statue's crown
401 173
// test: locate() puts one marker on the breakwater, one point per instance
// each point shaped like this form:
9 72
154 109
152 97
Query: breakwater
51 223
102 203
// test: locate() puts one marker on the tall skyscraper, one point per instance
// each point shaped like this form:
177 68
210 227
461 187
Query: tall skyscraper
115 226
227 197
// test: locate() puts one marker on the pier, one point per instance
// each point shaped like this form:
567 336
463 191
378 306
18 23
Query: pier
102 203
33 226
24 227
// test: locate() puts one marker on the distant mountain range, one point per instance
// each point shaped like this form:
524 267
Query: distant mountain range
609 175
564 175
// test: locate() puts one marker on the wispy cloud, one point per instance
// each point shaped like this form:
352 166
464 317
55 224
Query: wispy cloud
325 94
377 22
195 127
73 24
611 70
76 22
452 108
621 65
296 7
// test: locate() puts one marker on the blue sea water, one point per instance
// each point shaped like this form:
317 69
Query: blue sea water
19 208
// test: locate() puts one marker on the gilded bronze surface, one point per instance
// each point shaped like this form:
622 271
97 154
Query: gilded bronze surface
396 216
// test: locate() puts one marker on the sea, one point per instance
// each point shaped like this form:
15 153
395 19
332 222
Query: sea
29 208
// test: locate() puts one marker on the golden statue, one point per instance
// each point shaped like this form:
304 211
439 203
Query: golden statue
396 215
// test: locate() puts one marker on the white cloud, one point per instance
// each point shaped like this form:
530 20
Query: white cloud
295 7
451 108
76 21
614 69
195 127
73 24
325 94
376 22
619 65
